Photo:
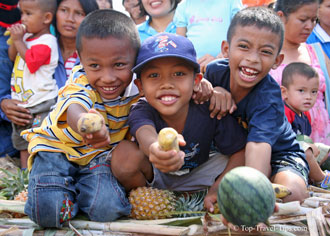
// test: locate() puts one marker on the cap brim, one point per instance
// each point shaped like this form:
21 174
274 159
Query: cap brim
137 69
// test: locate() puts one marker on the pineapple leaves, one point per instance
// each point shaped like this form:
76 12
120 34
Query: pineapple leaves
12 184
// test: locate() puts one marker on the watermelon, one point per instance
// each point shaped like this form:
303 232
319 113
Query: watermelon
246 197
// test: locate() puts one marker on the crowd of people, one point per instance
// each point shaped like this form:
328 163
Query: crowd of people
243 82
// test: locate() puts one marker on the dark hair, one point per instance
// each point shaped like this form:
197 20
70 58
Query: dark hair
87 6
106 22
261 17
174 4
290 6
299 68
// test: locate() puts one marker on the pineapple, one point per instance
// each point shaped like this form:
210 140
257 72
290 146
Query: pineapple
151 203
13 184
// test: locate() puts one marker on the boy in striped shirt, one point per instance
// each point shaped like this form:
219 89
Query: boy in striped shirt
70 170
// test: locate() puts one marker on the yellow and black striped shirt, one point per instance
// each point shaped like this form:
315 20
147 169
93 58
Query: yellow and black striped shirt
55 135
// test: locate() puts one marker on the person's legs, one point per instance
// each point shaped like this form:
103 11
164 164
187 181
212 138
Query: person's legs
198 178
315 173
294 182
20 144
291 172
130 166
6 67
51 190
24 155
100 196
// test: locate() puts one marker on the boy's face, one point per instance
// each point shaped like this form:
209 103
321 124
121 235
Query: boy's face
301 94
252 52
34 18
108 63
167 83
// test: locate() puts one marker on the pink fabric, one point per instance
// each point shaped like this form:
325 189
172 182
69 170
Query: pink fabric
320 118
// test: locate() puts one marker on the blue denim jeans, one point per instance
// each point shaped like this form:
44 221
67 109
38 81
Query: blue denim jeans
6 67
59 188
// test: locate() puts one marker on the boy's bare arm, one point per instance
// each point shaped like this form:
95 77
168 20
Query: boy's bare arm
235 160
97 139
146 135
168 161
258 156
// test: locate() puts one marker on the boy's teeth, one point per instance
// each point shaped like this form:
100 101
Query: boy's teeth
250 71
167 98
109 88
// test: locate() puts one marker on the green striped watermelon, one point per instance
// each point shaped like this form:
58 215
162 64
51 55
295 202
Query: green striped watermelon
246 197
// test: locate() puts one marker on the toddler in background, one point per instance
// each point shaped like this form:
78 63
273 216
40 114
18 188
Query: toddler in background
35 52
300 83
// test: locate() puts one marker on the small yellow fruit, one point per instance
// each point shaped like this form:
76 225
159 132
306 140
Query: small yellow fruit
90 123
281 191
7 33
168 139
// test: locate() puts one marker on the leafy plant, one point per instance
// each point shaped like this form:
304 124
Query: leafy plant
12 184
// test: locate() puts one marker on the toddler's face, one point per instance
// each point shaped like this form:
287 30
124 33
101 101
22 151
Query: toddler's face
252 52
302 93
32 17
108 63
167 83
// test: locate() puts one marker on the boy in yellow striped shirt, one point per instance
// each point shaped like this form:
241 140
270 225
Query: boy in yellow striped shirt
70 170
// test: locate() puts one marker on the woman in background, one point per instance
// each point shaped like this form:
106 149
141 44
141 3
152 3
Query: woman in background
160 19
299 18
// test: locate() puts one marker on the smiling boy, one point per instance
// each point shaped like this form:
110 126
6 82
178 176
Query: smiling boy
254 40
70 170
167 71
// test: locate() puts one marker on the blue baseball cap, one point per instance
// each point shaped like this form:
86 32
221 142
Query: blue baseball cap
166 45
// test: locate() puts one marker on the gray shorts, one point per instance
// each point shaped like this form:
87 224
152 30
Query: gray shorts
199 178
39 112
290 163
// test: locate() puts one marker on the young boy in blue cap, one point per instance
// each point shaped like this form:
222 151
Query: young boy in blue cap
167 70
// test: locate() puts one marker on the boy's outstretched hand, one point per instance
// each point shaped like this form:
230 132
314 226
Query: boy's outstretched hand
94 134
166 161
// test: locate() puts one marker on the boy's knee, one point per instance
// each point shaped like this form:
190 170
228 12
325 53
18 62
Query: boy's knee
108 205
50 202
